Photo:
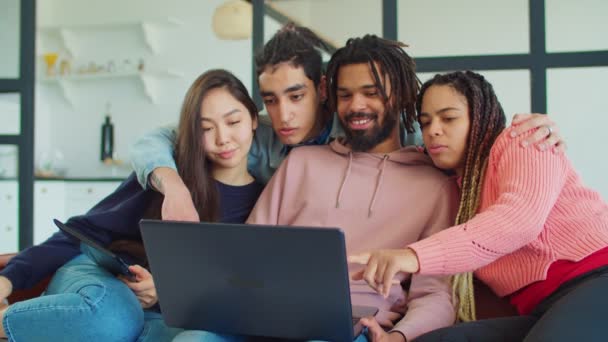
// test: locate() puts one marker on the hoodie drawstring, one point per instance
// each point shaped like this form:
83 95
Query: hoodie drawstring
350 163
378 184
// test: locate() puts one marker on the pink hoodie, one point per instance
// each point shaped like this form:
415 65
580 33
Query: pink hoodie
379 201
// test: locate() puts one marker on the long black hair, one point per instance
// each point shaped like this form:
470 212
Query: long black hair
192 165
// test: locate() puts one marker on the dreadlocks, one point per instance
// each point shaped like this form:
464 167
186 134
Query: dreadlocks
394 64
487 121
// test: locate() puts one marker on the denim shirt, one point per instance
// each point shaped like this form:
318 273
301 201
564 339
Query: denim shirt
155 149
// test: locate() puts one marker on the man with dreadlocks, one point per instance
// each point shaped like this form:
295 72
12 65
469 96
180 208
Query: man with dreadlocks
290 76
526 224
380 194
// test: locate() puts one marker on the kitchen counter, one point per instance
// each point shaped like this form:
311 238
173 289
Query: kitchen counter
116 175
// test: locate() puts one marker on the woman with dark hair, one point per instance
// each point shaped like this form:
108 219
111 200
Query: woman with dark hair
527 226
85 301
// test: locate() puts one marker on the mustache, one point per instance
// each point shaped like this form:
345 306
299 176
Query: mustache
360 115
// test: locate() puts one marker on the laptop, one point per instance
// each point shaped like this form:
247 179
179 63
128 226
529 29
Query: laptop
253 280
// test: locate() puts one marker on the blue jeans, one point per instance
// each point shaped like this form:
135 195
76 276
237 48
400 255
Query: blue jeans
204 336
85 302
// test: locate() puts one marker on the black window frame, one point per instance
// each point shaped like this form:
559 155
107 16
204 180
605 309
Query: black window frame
537 61
24 86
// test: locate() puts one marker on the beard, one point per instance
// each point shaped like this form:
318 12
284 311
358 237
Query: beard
365 140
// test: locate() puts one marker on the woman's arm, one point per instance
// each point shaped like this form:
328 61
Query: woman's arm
528 183
35 263
429 298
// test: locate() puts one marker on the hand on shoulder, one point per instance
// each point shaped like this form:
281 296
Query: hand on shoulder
546 137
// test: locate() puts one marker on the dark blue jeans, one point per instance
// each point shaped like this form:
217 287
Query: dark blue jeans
577 311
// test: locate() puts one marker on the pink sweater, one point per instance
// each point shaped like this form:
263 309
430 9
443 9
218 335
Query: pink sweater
379 202
534 210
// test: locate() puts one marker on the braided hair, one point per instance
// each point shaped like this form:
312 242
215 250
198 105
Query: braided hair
487 122
394 64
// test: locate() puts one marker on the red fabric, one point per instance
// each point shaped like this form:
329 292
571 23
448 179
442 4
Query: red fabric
559 272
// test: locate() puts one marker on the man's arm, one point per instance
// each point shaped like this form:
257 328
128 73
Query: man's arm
35 263
154 165
177 204
153 150
544 138
117 214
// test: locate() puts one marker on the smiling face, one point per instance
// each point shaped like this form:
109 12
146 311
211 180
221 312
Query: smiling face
445 123
362 110
292 102
227 129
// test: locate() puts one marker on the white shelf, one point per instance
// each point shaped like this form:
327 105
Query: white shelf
149 81
86 77
148 29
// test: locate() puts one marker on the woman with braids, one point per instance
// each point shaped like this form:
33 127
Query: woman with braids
526 225
85 300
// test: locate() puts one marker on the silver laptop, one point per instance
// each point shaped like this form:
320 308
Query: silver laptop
253 280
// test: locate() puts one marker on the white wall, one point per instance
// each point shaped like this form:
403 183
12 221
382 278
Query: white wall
9 38
576 25
576 103
431 27
466 27
336 20
438 28
190 48
575 96
10 113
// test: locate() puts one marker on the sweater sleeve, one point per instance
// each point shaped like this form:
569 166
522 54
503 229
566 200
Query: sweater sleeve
429 300
116 216
153 150
528 183
35 263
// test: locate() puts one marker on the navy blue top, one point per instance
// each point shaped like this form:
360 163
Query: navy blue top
236 202
116 217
